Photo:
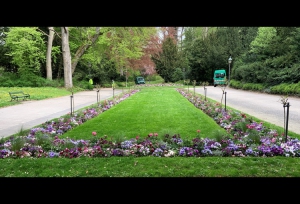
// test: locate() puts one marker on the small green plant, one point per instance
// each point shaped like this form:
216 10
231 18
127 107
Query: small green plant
241 126
42 139
17 143
254 137
22 132
186 143
68 145
119 138
218 135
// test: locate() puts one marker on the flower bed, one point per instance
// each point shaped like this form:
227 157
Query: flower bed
244 137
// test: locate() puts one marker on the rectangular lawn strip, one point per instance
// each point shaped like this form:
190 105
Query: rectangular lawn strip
159 110
151 167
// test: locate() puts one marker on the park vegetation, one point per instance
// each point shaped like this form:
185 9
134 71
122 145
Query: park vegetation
51 56
168 134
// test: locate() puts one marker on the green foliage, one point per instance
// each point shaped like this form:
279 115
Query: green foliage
54 83
68 145
210 52
273 58
27 49
247 86
236 84
241 126
154 79
262 55
286 89
26 80
167 61
262 43
43 139
218 135
83 85
177 74
17 143
187 143
255 138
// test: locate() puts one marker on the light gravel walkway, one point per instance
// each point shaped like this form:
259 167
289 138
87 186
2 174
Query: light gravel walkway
31 113
267 107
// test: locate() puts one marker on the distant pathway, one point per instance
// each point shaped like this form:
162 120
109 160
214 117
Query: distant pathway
31 113
267 107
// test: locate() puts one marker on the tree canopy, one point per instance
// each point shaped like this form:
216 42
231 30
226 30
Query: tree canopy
268 55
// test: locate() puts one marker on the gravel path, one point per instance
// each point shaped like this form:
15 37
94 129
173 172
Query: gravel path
267 107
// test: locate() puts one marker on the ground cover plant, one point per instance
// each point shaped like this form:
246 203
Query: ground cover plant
128 153
68 137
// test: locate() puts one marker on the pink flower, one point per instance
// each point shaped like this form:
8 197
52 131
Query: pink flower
198 131
94 133
156 134
137 137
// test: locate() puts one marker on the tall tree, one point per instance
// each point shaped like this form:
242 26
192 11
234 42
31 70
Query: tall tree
149 44
66 57
5 60
167 61
49 51
205 32
89 41
27 49
127 46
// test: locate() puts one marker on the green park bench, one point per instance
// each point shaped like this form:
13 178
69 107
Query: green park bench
16 95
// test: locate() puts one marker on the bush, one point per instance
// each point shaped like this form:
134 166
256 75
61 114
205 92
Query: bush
236 84
84 85
54 83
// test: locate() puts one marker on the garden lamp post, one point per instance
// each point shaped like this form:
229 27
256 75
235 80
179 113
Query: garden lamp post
229 62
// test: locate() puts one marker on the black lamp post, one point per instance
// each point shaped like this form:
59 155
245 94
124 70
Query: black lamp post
229 62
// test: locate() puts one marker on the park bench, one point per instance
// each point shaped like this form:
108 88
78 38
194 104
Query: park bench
16 95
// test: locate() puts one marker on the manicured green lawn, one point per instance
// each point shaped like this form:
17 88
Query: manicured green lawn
151 167
152 110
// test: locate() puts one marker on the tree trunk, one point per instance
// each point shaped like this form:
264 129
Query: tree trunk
205 32
83 48
49 50
181 37
176 34
66 57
